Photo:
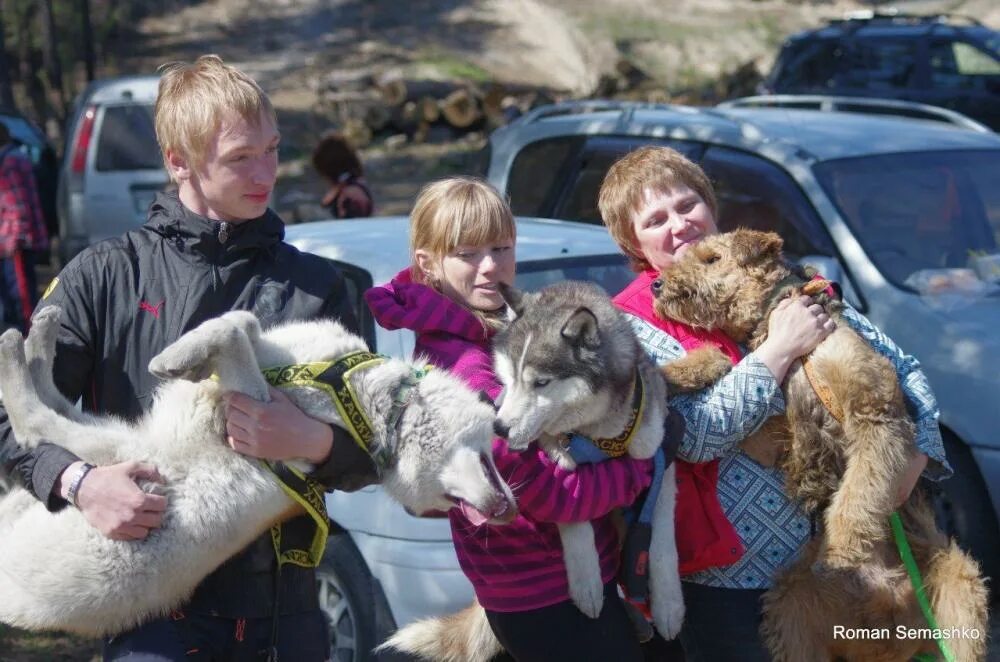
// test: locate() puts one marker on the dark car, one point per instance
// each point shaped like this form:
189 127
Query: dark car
941 60
32 141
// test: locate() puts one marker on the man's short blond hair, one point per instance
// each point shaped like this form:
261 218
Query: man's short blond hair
457 211
622 194
195 98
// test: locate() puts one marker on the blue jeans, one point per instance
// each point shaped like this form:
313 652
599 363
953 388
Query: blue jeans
722 624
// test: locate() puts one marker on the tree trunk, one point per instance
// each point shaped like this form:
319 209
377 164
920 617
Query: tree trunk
50 57
6 90
28 63
87 35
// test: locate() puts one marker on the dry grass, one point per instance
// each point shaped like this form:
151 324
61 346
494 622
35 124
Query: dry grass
20 646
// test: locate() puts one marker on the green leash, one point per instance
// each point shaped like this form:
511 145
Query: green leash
906 554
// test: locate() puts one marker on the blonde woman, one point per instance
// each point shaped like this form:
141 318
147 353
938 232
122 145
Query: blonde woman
462 247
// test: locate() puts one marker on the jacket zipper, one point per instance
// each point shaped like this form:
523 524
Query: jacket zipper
222 234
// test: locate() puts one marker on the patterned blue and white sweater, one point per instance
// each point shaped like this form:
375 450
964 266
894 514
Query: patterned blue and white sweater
718 418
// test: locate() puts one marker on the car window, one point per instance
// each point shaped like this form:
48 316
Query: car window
756 194
356 282
611 272
960 65
127 139
535 173
808 66
880 64
579 201
919 210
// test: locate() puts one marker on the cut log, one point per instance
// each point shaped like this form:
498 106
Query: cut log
428 110
460 109
396 90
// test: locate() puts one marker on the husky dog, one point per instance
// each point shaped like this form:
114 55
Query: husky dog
569 362
850 441
57 572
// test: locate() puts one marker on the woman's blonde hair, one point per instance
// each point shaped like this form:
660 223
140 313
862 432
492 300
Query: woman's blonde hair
193 100
453 212
622 192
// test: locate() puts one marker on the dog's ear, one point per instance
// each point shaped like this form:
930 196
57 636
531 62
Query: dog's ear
581 329
752 246
514 298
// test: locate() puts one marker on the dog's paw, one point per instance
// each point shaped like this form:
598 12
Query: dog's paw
565 461
588 597
11 344
45 325
181 361
669 617
246 322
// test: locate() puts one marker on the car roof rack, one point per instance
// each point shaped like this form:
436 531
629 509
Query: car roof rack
860 17
585 106
864 105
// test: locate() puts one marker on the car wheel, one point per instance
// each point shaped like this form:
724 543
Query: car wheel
346 596
964 510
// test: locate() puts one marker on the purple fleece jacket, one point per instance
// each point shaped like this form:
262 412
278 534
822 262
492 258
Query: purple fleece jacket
519 566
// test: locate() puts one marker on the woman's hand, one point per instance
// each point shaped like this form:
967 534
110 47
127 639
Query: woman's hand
795 328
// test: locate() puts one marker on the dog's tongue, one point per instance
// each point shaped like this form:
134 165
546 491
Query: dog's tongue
473 515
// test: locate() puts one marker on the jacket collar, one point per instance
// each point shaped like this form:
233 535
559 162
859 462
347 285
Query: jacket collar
404 304
210 238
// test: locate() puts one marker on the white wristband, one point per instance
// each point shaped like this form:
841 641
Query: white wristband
74 485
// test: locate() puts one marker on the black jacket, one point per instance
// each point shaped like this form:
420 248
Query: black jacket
124 300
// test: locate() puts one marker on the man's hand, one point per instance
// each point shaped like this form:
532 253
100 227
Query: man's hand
915 467
112 502
275 430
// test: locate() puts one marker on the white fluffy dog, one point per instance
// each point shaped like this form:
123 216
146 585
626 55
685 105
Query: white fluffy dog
57 572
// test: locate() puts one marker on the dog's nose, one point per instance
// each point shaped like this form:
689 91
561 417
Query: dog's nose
500 429
656 285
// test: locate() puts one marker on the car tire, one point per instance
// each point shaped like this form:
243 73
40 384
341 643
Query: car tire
346 594
964 510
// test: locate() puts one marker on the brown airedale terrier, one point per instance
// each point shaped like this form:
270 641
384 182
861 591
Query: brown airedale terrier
845 443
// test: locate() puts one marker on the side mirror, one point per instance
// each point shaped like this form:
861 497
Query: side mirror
830 268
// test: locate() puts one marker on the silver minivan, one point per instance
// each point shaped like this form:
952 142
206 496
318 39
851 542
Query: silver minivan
904 213
111 166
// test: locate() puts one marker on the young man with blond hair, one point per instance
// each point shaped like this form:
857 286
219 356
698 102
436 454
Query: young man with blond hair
212 246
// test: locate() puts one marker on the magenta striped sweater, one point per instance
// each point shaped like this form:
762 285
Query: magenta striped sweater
517 567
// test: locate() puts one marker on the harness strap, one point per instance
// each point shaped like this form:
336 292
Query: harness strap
906 554
286 536
331 377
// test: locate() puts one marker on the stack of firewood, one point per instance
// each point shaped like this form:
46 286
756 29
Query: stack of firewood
366 105
388 103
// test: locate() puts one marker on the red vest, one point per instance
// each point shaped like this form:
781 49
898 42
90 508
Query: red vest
705 538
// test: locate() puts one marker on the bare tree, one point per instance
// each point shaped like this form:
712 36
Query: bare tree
87 35
6 90
50 57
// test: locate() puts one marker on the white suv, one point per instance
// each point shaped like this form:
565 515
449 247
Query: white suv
111 165
383 567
